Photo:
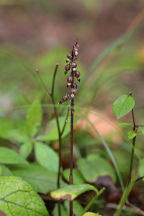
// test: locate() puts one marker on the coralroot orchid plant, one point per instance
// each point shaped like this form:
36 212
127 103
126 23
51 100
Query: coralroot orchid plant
74 74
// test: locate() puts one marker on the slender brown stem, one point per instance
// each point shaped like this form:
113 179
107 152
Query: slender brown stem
133 148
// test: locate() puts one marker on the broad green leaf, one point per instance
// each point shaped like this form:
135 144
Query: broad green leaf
46 156
17 197
123 105
142 129
131 134
124 124
94 166
8 156
70 192
77 177
26 149
91 214
5 171
41 179
34 118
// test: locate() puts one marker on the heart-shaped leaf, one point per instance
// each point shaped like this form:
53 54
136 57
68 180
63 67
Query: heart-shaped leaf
46 156
8 156
70 192
17 197
123 105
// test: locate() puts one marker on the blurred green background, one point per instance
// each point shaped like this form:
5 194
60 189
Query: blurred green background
38 34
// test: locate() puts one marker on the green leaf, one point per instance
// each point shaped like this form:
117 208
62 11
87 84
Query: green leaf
5 171
46 156
77 177
17 197
41 179
26 149
94 166
124 124
34 118
91 214
142 129
6 125
53 132
131 134
123 105
8 156
70 192
18 136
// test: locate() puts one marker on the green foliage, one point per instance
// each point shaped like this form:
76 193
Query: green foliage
123 105
70 192
141 168
131 134
124 124
41 179
17 197
46 156
8 156
34 118
53 132
142 129
94 166
26 149
77 177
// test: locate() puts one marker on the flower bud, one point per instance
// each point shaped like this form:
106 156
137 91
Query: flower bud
70 79
77 74
69 55
73 91
74 85
67 67
74 65
65 97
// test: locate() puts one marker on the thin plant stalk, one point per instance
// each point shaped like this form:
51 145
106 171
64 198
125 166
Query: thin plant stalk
124 197
72 67
133 147
51 95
